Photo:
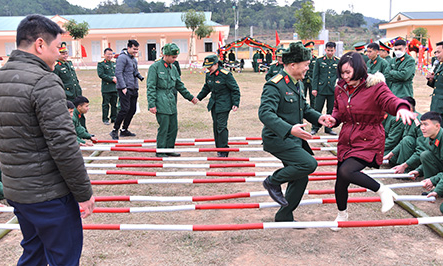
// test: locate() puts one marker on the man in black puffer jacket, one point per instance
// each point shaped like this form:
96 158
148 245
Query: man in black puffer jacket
43 171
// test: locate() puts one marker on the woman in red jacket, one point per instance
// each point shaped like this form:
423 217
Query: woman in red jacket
361 100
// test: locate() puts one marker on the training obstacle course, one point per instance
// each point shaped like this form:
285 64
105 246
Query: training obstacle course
225 163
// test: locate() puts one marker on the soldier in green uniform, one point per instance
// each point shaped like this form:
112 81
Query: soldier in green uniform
360 48
385 52
323 83
435 80
276 66
307 81
406 155
225 96
431 167
66 71
282 110
153 54
393 132
376 63
163 78
81 104
401 72
106 71
255 59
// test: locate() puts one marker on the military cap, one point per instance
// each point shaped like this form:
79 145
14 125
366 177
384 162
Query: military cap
210 60
171 49
359 46
384 47
63 48
279 52
296 53
310 45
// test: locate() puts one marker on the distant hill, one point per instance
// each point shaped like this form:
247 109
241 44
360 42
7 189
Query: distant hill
43 7
371 21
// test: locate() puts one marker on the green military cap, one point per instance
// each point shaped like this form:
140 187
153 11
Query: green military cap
384 46
210 60
359 46
296 53
310 45
171 49
279 52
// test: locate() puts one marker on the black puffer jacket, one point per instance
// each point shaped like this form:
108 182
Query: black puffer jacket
39 153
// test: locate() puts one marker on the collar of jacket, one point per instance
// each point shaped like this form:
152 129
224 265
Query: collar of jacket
437 139
166 64
19 55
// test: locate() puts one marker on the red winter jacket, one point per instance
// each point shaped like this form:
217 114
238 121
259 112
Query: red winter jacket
362 134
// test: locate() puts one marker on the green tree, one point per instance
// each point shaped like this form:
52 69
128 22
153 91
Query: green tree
77 32
309 23
420 34
196 22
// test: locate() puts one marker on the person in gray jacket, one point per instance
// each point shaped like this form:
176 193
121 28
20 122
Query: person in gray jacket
126 72
43 171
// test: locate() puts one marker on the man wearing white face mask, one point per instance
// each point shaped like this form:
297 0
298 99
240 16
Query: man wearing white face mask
402 71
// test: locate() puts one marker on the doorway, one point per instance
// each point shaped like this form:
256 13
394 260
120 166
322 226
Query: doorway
152 54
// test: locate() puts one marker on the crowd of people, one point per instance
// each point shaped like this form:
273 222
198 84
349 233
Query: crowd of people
369 95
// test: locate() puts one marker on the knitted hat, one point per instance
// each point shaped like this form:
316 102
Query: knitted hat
210 60
171 49
296 53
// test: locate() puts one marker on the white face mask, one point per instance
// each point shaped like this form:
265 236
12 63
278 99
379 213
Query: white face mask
399 54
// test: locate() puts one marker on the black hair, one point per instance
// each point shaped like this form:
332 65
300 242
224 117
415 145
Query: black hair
356 61
439 43
133 43
410 100
433 116
107 49
80 100
400 42
36 26
331 45
374 46
70 105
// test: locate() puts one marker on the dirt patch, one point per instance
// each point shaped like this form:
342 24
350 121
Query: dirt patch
402 245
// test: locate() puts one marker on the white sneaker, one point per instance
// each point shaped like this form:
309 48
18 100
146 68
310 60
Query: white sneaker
387 197
341 217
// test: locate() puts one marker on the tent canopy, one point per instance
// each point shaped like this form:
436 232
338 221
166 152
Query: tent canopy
250 42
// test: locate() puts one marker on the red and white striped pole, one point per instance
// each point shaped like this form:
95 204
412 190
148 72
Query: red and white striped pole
136 149
178 159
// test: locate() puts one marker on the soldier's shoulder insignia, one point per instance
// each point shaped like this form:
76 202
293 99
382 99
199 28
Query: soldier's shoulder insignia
277 78
158 59
335 57
224 71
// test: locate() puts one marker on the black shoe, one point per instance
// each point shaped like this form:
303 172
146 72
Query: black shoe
106 123
222 154
424 193
161 155
114 134
275 192
173 154
126 133
313 132
332 133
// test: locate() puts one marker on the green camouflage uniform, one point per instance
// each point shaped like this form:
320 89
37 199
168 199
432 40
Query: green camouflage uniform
66 72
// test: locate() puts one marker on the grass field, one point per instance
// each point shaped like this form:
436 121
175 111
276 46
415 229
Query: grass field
401 245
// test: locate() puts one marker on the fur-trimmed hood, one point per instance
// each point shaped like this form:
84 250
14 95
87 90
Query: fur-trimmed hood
374 79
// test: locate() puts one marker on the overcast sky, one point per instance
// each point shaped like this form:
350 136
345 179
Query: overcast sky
372 8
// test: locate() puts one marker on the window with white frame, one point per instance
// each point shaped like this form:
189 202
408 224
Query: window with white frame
182 44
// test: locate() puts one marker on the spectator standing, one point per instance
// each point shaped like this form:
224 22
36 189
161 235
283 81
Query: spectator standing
106 72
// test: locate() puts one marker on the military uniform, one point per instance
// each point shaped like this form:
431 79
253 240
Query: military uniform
437 94
359 47
378 65
411 145
255 58
163 78
432 162
106 71
282 106
365 57
225 94
66 72
323 81
307 81
80 126
400 76
393 132
273 70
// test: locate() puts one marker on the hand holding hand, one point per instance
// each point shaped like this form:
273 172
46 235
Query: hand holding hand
327 120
